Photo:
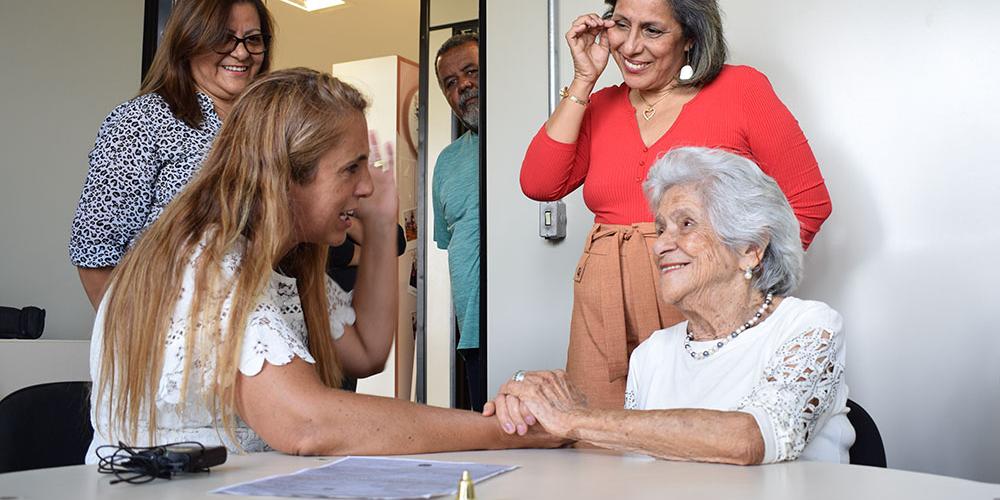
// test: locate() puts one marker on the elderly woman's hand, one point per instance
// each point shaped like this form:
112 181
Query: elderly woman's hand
588 43
547 397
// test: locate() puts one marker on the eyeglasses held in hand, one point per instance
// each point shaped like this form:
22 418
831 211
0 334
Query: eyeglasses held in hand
255 44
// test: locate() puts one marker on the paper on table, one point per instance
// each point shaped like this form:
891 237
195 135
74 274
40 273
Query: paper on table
370 478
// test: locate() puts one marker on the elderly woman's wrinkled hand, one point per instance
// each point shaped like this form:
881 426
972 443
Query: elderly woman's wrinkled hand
545 397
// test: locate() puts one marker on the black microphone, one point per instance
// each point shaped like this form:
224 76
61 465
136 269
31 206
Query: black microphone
26 323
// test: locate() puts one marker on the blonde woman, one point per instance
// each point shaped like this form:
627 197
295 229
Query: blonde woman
220 325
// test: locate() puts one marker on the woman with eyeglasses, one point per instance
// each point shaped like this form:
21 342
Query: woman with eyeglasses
149 147
677 91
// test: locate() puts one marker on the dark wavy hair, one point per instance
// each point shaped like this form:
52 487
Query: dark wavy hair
194 28
701 22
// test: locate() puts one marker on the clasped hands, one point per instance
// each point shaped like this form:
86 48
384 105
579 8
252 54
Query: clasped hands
543 397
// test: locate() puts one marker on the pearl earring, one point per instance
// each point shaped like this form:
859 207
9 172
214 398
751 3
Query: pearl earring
748 274
686 71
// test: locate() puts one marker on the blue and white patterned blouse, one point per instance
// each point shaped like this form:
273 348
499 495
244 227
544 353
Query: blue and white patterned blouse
142 158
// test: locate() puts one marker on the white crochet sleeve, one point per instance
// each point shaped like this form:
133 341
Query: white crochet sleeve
272 337
796 391
341 311
632 382
631 403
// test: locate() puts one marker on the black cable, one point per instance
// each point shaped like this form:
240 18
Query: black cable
137 465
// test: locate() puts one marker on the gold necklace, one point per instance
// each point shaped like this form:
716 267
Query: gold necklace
651 108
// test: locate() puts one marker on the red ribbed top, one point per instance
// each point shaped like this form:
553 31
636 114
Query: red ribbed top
738 112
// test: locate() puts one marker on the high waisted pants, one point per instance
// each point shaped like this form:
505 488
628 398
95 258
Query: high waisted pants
616 305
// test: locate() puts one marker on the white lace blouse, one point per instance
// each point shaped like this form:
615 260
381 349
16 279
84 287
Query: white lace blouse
788 372
275 333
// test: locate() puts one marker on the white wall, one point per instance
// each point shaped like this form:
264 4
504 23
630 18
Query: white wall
66 65
528 279
451 11
358 30
899 102
25 363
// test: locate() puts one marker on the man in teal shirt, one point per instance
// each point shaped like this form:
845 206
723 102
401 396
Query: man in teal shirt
455 194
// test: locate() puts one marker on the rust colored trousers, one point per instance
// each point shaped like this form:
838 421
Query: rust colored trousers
616 305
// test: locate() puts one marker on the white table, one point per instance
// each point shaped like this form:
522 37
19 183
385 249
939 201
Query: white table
544 474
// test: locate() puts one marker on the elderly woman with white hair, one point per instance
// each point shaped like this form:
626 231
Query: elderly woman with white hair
753 375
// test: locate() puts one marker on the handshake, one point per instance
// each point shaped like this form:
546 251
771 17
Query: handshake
543 397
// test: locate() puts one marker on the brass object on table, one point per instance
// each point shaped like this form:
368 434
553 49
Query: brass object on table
465 489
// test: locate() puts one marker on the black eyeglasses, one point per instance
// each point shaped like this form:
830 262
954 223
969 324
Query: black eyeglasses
255 44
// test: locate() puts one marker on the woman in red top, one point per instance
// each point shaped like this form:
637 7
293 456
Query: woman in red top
677 92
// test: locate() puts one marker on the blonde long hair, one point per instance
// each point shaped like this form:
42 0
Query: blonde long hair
275 135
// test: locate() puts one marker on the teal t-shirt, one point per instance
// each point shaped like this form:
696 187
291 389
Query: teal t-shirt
455 197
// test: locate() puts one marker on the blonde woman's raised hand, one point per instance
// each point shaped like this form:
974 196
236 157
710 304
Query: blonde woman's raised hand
383 204
588 43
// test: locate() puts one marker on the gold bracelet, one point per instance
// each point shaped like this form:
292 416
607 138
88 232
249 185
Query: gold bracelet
564 93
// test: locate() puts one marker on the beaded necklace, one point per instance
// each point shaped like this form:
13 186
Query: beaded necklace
736 333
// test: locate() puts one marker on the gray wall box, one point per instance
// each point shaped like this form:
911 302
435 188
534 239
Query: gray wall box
552 220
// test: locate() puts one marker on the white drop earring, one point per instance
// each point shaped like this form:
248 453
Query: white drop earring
686 71
748 274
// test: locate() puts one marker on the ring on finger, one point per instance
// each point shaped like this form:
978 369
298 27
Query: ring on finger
518 376
379 164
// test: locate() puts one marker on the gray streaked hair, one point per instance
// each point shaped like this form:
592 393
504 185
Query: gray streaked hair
744 205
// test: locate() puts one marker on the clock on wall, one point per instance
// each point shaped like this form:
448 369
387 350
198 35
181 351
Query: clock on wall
411 119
